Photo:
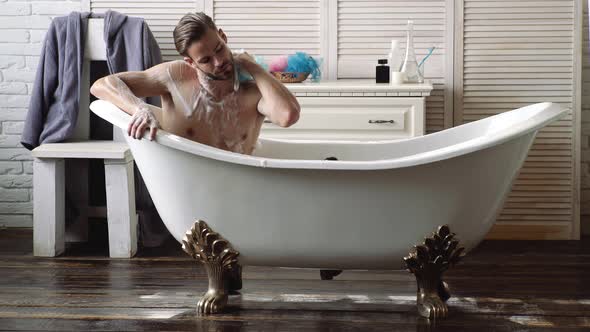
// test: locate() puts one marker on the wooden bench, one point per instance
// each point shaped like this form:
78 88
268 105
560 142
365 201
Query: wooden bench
49 195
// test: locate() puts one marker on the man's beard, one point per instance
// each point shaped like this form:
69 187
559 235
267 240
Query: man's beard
224 77
216 85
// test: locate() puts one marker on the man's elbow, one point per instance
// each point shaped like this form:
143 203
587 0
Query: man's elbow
96 87
290 116
102 87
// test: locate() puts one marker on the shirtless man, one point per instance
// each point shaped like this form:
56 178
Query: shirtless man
202 98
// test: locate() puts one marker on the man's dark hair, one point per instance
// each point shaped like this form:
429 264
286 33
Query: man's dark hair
191 28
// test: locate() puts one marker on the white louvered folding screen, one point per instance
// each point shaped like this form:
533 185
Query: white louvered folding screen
516 53
269 28
365 31
506 54
161 16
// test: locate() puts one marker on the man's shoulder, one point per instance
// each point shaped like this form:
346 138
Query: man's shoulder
179 70
177 64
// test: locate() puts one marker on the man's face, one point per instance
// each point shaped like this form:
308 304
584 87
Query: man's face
211 55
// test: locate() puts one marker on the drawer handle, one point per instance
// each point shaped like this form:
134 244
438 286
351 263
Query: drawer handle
267 121
381 121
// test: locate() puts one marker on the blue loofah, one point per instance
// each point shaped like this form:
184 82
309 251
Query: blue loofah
245 76
301 62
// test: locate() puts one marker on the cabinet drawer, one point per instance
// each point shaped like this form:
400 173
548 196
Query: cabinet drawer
343 120
351 118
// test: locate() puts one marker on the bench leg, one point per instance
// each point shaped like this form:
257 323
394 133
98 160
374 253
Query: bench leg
121 216
48 207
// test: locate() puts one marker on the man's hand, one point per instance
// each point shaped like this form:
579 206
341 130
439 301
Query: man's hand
241 55
142 119
244 60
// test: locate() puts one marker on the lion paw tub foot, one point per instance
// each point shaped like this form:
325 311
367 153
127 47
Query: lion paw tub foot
220 261
212 302
427 262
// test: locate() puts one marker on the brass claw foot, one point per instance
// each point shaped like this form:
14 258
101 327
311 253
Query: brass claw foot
212 302
221 264
432 306
427 262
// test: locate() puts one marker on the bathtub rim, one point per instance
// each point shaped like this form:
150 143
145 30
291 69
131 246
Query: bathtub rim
548 113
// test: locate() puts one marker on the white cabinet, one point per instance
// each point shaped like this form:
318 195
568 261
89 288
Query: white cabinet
355 110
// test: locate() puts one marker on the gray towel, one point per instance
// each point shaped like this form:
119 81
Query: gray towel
53 107
54 103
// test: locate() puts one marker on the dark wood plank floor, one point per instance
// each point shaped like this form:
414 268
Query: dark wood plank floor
500 286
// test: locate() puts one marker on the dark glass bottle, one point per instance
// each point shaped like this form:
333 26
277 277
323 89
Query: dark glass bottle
382 72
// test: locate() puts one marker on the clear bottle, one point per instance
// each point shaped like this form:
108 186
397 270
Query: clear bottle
410 66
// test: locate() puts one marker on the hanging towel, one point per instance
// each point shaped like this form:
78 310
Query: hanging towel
54 103
53 107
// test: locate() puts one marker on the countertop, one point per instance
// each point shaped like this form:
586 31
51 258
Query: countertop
359 86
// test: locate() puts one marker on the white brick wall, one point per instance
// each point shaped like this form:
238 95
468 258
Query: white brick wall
23 24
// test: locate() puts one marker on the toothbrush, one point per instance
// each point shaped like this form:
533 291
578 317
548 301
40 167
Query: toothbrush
430 50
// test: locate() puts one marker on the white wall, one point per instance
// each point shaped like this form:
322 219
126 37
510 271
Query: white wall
22 28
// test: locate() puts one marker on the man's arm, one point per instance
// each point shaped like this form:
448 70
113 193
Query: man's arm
276 101
125 90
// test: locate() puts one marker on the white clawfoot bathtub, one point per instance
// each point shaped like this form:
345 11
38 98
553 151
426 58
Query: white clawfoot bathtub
287 206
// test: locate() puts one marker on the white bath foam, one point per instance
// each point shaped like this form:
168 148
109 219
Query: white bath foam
143 114
117 84
194 91
208 99
183 84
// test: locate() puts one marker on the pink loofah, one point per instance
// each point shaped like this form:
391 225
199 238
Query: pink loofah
278 63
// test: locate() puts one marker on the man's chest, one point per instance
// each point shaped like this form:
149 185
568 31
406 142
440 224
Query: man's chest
234 118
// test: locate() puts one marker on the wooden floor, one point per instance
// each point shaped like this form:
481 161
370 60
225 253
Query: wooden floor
500 286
